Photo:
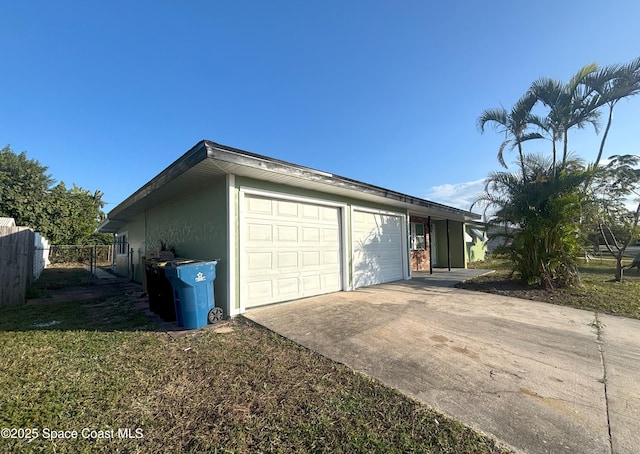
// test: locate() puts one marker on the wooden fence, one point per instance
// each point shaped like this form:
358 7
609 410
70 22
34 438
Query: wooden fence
24 254
17 247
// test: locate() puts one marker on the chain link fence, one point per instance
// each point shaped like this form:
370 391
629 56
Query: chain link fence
88 256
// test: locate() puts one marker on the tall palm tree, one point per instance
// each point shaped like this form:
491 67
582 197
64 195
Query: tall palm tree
513 124
570 105
611 84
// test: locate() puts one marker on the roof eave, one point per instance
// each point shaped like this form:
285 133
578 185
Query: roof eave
235 161
240 157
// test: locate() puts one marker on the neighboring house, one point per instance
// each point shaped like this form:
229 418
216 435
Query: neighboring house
280 230
477 241
7 222
499 236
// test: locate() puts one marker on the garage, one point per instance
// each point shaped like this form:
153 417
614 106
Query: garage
377 247
289 249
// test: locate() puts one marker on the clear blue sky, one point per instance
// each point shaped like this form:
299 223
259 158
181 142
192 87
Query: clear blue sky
107 94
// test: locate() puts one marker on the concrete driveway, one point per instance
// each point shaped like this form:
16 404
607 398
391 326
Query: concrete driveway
541 378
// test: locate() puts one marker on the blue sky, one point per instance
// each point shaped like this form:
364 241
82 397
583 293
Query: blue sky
108 94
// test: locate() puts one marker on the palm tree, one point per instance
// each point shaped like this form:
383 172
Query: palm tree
543 208
545 202
573 104
611 84
513 124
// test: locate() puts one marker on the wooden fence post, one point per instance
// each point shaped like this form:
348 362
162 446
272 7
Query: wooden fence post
17 248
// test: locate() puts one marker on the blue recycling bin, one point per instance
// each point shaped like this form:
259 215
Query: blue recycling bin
192 283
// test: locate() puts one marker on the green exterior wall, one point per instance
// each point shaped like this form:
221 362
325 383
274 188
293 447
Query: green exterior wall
440 250
457 251
476 250
195 224
457 244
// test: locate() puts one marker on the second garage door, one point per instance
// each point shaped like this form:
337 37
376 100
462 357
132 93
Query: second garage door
377 248
290 249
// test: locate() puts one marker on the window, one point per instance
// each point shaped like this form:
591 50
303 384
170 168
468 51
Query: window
122 244
417 236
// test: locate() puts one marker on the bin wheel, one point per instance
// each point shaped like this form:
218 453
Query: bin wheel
215 315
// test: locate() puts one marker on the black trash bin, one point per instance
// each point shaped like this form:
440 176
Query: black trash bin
159 290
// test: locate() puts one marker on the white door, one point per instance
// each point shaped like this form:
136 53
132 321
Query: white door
377 248
289 250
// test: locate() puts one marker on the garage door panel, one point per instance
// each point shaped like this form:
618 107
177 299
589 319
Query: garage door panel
312 283
331 280
288 286
311 258
331 258
287 260
287 233
259 261
311 212
294 246
287 209
259 206
260 232
377 248
310 234
259 290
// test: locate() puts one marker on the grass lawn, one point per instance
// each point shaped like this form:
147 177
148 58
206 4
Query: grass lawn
598 291
103 366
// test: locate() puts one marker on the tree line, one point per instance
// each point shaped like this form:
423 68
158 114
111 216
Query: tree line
555 202
31 196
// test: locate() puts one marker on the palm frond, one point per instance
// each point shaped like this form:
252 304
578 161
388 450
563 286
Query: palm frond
579 77
531 136
546 90
497 116
503 145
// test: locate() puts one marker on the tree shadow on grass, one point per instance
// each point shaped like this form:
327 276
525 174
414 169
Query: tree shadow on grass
608 272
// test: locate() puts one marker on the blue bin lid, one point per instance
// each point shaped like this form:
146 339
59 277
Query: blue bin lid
183 262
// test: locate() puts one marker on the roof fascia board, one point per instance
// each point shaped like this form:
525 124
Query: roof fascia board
192 157
240 157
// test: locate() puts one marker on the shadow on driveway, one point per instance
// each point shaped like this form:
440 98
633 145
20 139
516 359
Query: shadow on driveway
442 277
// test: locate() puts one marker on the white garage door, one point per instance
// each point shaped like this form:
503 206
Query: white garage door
377 248
289 250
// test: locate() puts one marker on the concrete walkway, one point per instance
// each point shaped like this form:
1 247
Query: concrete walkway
443 277
539 377
99 273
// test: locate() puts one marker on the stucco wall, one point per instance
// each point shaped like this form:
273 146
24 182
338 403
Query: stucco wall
194 224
